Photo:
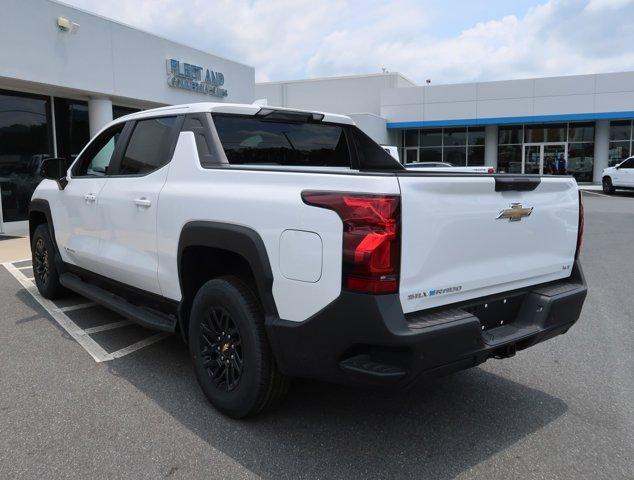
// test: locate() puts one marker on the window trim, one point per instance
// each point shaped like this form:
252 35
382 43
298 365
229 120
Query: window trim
80 161
130 126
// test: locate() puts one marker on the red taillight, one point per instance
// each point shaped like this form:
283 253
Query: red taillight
371 246
491 171
581 226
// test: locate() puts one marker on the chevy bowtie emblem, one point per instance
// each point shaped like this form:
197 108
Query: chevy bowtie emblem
515 213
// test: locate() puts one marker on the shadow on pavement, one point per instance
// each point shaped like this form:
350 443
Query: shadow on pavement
434 430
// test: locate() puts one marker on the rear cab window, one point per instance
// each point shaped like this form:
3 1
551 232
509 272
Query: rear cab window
256 141
277 141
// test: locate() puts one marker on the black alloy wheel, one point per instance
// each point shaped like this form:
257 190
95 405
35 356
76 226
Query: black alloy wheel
230 351
221 348
45 271
41 261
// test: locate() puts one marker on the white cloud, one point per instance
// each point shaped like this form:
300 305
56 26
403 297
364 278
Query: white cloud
286 39
599 5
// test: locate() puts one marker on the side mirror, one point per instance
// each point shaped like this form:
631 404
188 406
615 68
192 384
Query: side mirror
55 169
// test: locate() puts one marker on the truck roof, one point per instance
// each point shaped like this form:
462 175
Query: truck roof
235 108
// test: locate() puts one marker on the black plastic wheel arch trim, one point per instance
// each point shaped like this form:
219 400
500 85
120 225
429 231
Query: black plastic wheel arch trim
237 239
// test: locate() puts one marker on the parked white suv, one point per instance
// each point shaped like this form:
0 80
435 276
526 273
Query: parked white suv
283 243
619 176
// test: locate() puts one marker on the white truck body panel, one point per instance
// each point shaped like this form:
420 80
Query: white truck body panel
268 202
453 243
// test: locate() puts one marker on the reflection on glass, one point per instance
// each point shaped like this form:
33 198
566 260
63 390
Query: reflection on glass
621 130
454 136
25 142
410 138
581 132
457 156
476 136
532 159
71 127
510 159
431 154
118 111
554 160
510 135
475 156
431 138
618 152
545 133
411 155
581 161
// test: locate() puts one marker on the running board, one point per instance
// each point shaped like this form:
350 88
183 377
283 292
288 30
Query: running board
144 317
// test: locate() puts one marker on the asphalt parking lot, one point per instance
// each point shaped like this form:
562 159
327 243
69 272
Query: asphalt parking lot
84 394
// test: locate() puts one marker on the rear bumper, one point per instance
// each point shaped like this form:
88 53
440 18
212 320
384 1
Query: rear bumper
366 339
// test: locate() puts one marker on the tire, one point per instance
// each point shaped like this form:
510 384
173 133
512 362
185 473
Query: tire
44 268
608 188
226 326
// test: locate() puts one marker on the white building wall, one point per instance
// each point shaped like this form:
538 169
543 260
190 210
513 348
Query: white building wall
103 58
599 94
373 126
345 95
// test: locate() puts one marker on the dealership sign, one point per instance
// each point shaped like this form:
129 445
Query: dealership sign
195 79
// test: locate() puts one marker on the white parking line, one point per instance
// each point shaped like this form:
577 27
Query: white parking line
81 336
140 344
79 306
24 268
596 193
107 326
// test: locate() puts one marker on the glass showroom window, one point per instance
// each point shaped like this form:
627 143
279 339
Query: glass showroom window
459 146
510 139
620 141
71 127
25 140
580 151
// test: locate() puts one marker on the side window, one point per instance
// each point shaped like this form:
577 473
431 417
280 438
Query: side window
98 156
149 146
257 141
628 163
370 153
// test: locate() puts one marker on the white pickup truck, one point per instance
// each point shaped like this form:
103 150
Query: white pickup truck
283 243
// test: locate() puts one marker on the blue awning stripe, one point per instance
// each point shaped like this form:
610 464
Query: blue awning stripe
568 117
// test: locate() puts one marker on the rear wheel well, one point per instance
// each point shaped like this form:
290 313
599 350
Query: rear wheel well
35 220
200 264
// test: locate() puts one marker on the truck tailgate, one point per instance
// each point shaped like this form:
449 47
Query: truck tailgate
454 247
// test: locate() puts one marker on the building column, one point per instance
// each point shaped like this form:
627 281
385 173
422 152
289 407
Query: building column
601 148
99 114
491 146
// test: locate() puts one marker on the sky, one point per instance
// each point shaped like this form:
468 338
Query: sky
448 41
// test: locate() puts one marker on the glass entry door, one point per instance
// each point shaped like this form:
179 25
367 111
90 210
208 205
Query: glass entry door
554 159
544 158
532 159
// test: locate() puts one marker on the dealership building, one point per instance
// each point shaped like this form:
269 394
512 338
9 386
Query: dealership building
65 73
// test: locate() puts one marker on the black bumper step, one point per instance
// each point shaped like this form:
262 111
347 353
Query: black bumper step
363 364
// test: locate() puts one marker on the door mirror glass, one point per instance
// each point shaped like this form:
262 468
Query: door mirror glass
54 168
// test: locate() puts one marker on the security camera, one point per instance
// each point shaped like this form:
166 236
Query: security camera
65 25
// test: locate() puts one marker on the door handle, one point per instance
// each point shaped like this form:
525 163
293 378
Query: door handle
143 202
90 198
